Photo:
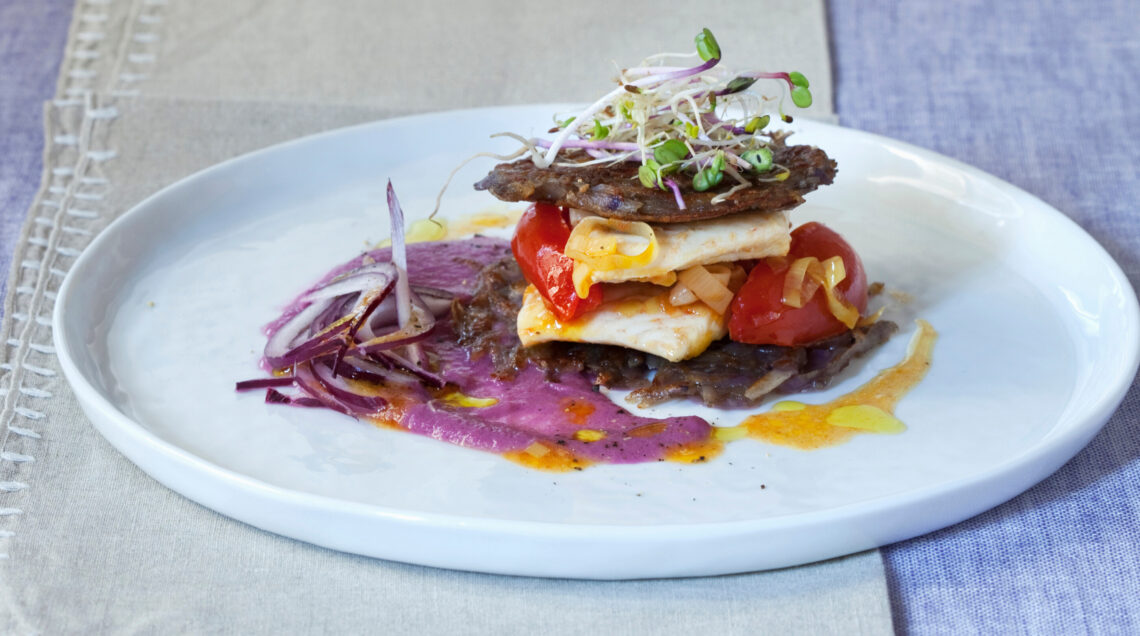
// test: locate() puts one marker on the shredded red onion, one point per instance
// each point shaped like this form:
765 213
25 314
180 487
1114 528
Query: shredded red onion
343 391
399 258
273 396
350 334
262 383
290 335
420 372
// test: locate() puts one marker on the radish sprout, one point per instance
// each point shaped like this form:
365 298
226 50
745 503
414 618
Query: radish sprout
703 121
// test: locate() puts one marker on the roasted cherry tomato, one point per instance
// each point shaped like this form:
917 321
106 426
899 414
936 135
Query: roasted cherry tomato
758 314
538 244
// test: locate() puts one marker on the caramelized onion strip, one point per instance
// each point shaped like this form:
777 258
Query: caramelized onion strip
707 287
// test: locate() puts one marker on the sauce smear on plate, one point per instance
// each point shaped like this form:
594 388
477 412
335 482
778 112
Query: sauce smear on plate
870 408
569 424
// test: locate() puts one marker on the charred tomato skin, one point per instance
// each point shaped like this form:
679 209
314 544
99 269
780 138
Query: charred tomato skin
538 246
758 315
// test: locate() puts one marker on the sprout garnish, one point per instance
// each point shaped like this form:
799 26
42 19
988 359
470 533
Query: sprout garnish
702 121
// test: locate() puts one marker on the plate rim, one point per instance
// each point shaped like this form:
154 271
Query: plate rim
1046 454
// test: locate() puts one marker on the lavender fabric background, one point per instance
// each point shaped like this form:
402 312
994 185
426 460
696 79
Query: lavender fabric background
32 37
1040 95
1044 95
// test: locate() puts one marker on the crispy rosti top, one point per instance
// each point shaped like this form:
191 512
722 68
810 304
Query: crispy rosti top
614 191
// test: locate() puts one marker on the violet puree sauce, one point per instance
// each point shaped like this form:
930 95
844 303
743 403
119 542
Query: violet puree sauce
556 425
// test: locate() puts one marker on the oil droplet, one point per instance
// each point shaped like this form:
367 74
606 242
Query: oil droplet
788 405
455 398
537 449
589 435
488 219
695 452
438 229
479 222
729 433
865 418
426 230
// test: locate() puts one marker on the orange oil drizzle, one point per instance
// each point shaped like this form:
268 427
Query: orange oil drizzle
870 408
553 458
695 452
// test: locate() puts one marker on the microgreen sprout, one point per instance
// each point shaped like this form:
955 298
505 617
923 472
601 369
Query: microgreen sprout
718 162
738 84
626 109
707 46
650 174
756 124
801 96
707 178
697 123
759 158
671 151
600 131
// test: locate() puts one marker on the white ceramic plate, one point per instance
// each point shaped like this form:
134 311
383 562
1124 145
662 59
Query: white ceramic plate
162 314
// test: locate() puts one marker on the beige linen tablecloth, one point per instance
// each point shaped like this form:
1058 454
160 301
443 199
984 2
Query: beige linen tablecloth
153 90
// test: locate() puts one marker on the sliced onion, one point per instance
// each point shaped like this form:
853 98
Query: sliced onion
352 331
287 336
706 287
438 301
362 279
680 295
600 243
340 388
729 275
367 371
872 318
338 309
418 327
806 275
316 327
768 383
273 396
263 383
415 369
384 317
738 278
370 302
844 311
309 383
794 295
720 271
399 257
333 338
776 262
833 271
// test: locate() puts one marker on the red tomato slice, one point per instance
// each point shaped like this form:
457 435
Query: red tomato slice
758 314
538 245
